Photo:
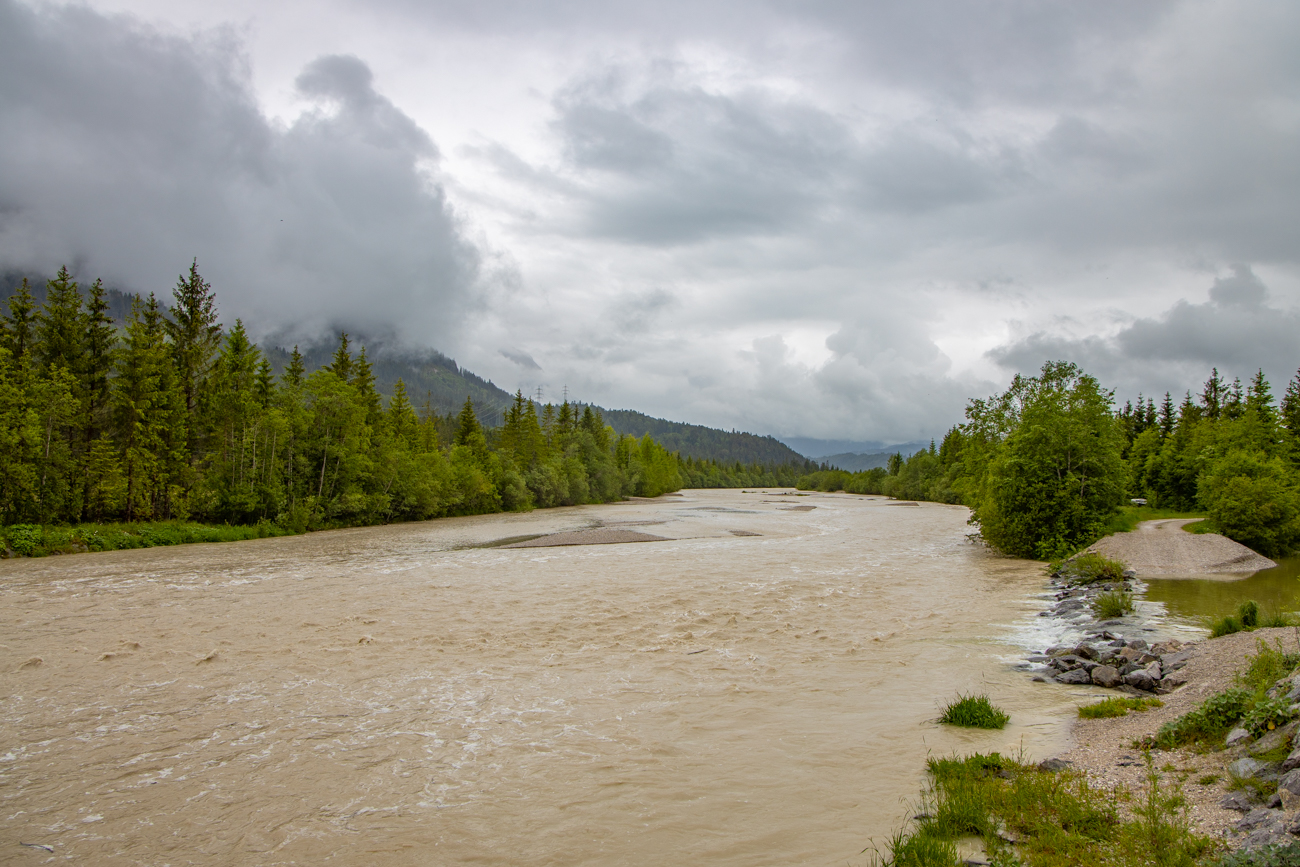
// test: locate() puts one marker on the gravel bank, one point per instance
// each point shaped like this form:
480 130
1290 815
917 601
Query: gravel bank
1163 548
1103 748
596 536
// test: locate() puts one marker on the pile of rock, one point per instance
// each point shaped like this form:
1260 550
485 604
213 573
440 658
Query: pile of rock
1106 659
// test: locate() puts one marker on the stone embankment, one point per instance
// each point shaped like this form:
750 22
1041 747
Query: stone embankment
1125 653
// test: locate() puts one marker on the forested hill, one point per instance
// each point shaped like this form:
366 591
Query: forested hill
434 379
699 442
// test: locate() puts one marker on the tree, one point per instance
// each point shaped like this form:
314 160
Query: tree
195 336
1056 475
19 331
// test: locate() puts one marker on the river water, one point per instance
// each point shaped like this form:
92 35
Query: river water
403 695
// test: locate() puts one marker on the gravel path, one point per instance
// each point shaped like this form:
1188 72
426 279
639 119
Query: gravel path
1163 548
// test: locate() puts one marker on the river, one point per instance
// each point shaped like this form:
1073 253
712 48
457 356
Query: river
408 695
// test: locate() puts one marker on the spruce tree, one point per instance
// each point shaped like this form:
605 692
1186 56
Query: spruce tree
294 372
61 325
1213 394
20 324
467 426
195 335
342 364
363 378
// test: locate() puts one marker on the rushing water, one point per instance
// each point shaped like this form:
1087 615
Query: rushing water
404 695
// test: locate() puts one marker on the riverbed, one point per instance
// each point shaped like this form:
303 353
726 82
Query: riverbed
757 688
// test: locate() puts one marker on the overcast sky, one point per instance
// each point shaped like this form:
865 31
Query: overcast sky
824 219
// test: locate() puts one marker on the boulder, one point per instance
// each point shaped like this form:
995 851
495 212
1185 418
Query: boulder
1137 644
1270 741
1085 652
1238 801
1175 661
1173 680
1140 679
1076 676
1245 768
1292 761
1236 736
1290 782
1105 675
1053 765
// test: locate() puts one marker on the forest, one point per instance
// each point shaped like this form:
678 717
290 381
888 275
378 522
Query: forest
1046 465
172 417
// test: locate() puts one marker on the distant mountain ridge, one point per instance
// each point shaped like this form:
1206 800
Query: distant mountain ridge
697 441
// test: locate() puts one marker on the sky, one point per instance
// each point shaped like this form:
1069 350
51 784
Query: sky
836 220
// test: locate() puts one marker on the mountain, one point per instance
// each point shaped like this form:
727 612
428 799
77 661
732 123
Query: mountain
857 463
824 450
697 441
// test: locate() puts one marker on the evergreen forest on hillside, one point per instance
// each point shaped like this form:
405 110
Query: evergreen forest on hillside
173 418
1046 465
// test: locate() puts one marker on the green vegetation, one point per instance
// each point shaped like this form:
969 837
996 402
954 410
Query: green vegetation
1274 855
1247 704
1036 818
31 540
1047 467
173 422
974 711
1112 603
1090 568
709 444
1108 708
1247 619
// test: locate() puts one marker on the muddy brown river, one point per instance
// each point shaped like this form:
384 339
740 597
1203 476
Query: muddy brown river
406 696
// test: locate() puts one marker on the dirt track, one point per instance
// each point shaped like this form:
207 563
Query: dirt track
1163 548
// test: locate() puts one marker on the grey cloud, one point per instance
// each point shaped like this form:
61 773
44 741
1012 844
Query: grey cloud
1236 331
131 152
523 359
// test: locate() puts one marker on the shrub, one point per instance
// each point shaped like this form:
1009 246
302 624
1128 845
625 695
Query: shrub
1112 603
1114 707
1274 855
25 539
974 711
1248 613
1208 722
1266 666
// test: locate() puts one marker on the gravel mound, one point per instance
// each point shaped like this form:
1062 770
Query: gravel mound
597 536
1163 548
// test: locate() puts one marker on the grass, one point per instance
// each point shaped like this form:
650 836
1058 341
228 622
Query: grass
1128 517
1249 618
1206 724
1091 568
35 540
1036 818
1115 707
974 711
1112 603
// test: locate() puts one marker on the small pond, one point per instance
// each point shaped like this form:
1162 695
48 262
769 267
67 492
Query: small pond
1197 599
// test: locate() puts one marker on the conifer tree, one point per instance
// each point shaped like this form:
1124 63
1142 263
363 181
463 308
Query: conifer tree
1166 418
342 364
61 325
294 372
1291 407
468 430
20 325
195 335
363 377
265 382
143 411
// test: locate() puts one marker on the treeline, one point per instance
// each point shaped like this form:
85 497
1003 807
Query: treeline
173 417
1045 465
713 474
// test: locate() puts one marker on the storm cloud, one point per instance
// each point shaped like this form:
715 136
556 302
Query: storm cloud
128 152
826 219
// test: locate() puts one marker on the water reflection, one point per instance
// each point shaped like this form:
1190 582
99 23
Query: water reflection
1195 599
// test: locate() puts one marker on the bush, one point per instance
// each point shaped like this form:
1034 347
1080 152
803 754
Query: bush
1108 708
1113 603
1275 855
1252 499
1267 665
1208 722
974 711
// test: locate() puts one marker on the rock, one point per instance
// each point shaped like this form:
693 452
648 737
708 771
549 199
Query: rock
1235 737
1169 645
1137 644
1076 676
1292 761
1173 680
1085 652
1129 574
1153 669
1177 660
1147 659
1105 675
1130 654
1053 765
1270 741
1238 801
1245 768
1257 818
1289 799
1290 782
1140 679
1118 642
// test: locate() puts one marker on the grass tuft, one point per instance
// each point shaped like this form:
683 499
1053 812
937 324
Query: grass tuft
1112 604
974 711
1113 707
1090 568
